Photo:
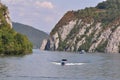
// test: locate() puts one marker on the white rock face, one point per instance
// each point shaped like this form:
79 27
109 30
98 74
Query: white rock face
80 43
43 44
65 30
114 42
104 36
56 40
7 17
82 31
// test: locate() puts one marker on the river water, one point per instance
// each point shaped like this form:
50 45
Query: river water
44 65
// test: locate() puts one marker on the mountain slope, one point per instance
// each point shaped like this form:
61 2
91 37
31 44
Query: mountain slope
94 29
35 36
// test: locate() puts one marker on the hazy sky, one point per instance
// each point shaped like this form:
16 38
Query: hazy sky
44 14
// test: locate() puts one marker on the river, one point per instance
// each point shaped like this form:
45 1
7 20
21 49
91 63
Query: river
44 65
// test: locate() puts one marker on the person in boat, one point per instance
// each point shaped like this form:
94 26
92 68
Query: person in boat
63 62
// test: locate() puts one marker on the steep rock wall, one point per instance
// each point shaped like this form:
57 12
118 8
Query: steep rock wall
95 29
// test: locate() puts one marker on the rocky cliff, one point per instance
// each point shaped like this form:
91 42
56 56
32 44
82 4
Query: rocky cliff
94 29
4 17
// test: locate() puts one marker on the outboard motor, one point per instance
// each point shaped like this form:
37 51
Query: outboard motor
63 62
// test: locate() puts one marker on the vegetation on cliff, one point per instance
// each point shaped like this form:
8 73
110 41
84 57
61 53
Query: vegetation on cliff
11 42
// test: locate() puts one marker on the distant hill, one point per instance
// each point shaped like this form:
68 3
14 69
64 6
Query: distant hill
35 36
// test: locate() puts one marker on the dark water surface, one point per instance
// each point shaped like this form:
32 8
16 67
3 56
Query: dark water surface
44 65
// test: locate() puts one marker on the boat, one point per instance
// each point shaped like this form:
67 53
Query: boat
82 51
63 62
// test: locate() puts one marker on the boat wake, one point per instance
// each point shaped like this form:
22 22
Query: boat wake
68 64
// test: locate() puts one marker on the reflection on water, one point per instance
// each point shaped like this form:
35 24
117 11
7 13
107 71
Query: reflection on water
40 66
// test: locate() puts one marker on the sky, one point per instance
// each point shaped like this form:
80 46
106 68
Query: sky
44 14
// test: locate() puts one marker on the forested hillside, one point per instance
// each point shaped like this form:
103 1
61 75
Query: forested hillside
11 42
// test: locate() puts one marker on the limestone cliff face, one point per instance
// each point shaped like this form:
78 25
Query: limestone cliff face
4 16
7 16
94 29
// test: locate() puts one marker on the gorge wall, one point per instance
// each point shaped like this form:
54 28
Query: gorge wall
94 29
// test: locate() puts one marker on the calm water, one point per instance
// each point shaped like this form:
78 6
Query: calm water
42 66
